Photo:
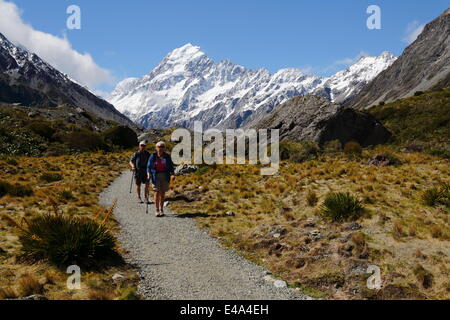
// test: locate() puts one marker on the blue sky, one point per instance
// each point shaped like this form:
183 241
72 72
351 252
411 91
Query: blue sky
129 38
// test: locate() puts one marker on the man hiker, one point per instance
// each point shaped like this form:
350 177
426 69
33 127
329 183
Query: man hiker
138 164
160 171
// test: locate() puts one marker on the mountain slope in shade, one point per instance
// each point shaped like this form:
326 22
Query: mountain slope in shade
188 86
423 65
25 78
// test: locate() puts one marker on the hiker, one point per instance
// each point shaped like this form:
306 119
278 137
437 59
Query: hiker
138 165
160 172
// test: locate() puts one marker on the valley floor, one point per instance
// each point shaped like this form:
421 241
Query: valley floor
176 260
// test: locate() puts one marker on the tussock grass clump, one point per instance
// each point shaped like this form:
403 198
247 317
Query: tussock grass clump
15 190
439 195
29 285
65 240
50 177
424 276
311 198
7 293
342 207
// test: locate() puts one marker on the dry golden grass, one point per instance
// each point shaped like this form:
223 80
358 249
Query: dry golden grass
84 176
395 227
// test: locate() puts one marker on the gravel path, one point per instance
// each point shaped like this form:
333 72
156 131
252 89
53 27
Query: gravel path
177 260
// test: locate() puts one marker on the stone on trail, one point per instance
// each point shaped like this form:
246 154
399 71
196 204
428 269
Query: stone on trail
280 284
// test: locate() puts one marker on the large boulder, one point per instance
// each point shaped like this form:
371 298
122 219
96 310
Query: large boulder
312 118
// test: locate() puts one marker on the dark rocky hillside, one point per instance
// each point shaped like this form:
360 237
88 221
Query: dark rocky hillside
27 79
312 118
424 65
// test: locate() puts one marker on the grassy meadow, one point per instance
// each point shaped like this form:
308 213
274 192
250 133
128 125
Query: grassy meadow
62 189
286 222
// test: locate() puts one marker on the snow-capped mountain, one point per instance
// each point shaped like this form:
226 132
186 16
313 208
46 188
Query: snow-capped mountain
25 78
345 84
188 86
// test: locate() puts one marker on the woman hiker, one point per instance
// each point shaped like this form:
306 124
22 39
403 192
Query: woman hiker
160 171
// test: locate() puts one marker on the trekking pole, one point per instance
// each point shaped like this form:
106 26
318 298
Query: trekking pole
146 210
132 179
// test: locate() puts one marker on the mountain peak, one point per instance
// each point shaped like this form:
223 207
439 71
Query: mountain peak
387 54
186 52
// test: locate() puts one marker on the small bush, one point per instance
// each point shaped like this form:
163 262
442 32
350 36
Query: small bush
51 177
202 170
129 294
85 140
42 129
439 195
418 93
341 207
353 148
15 190
299 152
121 136
12 162
439 153
66 195
333 146
66 240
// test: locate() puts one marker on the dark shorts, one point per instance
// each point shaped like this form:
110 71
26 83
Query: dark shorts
140 177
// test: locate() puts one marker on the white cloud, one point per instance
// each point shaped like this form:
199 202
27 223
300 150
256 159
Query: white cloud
413 30
349 61
56 51
344 63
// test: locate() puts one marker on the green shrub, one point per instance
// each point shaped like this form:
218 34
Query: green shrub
422 119
333 146
439 195
85 140
15 190
129 294
439 153
352 148
299 152
66 195
202 170
418 93
64 240
121 136
12 162
42 129
51 177
341 207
